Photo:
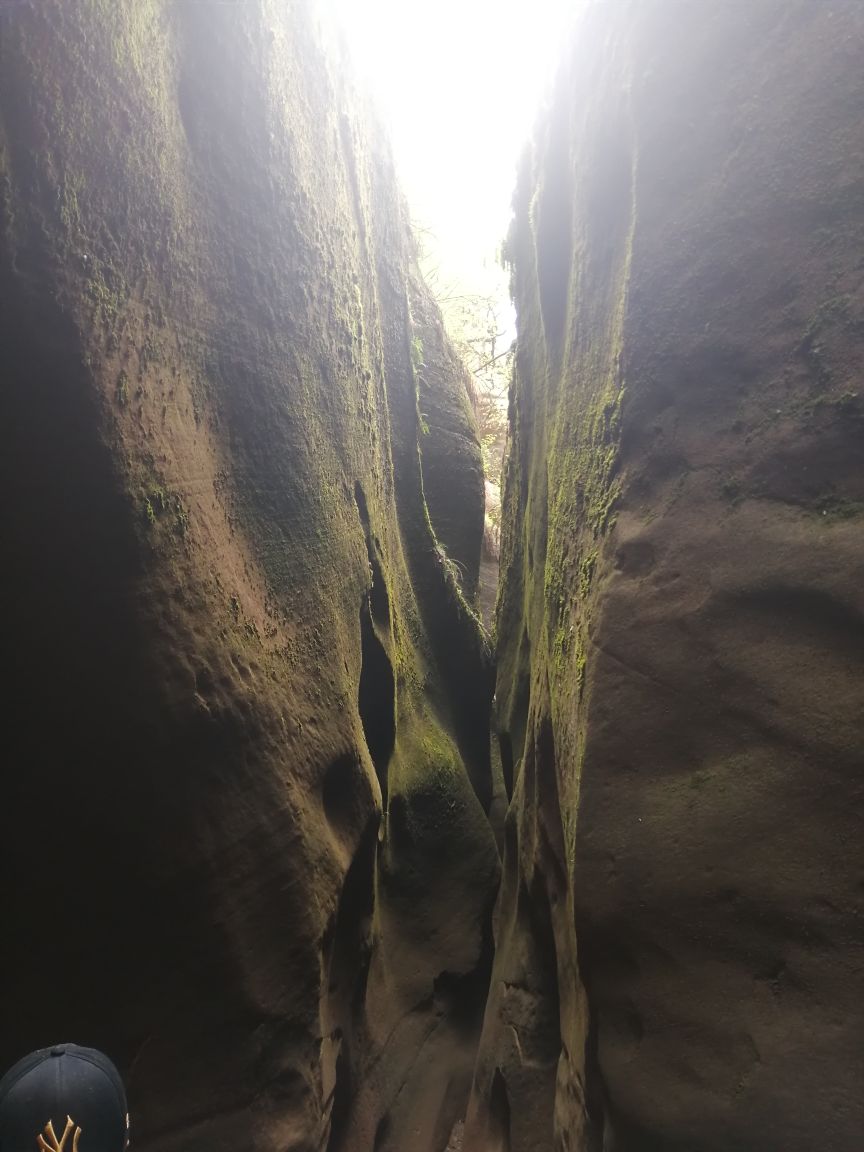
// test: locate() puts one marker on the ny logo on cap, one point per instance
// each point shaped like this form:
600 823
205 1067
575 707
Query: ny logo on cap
52 1144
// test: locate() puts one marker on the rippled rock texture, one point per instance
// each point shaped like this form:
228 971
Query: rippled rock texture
237 629
679 938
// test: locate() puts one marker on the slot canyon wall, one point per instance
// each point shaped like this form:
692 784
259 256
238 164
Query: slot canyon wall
249 832
242 487
680 690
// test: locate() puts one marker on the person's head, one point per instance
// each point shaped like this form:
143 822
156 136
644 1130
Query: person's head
63 1099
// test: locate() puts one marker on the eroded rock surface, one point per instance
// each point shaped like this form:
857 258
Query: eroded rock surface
231 638
679 938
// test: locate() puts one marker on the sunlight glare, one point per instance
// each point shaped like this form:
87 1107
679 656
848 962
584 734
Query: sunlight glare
458 84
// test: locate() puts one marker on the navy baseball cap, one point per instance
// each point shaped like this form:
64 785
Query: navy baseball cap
63 1099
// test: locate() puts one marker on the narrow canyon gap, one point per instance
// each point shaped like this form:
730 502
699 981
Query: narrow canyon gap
253 838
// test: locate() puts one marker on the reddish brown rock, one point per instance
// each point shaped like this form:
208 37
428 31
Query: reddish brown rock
680 686
230 638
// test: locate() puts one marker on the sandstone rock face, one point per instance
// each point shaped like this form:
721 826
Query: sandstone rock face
679 937
234 630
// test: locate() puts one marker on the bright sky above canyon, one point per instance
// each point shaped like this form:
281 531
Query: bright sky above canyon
459 83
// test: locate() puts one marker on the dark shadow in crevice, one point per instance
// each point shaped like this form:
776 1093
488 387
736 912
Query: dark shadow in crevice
595 1093
349 959
342 1093
382 1132
511 735
499 1113
345 794
610 955
505 744
347 952
376 700
462 997
379 598
535 916
510 860
362 506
